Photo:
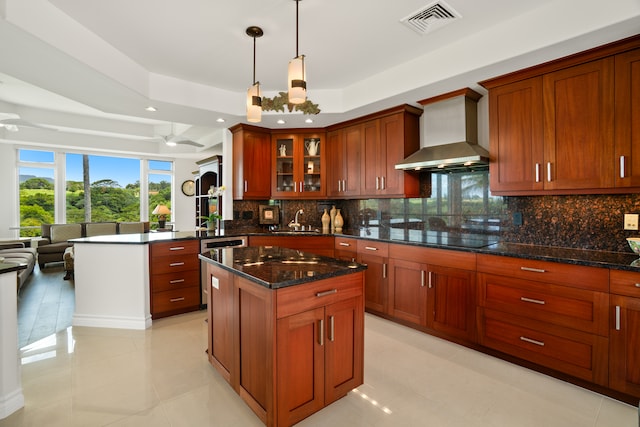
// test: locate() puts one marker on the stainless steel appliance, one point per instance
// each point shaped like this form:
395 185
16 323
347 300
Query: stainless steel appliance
209 243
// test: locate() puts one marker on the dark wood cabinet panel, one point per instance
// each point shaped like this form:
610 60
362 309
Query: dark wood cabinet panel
452 301
578 126
343 162
408 291
251 163
625 345
298 169
627 125
319 245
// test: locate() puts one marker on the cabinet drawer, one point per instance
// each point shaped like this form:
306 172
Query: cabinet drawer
175 300
174 248
175 280
625 283
566 350
574 308
169 264
370 247
345 244
296 299
593 278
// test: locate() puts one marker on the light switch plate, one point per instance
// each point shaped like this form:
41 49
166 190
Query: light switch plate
630 221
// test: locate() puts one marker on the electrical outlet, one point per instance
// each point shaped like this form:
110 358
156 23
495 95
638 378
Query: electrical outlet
630 221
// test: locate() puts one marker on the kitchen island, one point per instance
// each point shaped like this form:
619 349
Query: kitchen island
286 328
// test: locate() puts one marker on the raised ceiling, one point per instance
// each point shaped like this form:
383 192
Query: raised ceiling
89 67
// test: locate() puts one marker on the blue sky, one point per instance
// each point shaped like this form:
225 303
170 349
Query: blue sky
123 170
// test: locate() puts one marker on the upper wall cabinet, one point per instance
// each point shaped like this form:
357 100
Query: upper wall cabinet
251 163
363 154
298 166
552 126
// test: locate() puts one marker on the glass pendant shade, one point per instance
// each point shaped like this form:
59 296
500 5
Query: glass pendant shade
297 80
254 104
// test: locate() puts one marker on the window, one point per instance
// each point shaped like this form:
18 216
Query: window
36 180
96 188
101 188
160 179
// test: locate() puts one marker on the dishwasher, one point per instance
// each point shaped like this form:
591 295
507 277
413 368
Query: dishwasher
209 243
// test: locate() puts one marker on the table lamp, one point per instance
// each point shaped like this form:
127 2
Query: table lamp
162 211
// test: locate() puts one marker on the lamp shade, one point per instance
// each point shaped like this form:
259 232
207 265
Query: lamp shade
161 210
297 80
254 103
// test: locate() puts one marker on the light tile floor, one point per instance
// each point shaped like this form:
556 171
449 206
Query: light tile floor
160 377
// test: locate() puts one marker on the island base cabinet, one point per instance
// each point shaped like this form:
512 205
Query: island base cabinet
220 318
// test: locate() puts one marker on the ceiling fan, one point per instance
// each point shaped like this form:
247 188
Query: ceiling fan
172 139
12 122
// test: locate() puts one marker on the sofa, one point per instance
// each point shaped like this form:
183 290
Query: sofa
55 237
16 252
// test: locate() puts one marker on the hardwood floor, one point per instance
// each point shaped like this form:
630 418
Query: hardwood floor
45 304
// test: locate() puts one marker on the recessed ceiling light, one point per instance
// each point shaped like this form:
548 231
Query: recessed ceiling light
308 121
220 120
280 122
151 108
171 143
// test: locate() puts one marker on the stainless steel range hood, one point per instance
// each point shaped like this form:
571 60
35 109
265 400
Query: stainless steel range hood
450 135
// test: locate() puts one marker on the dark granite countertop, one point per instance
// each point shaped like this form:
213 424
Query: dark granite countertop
275 267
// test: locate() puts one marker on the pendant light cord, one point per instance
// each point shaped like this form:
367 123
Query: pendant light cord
254 60
297 2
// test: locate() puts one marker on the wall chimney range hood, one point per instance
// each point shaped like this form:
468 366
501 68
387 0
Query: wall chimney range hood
450 128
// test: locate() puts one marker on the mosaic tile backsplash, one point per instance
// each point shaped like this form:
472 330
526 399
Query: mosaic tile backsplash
463 204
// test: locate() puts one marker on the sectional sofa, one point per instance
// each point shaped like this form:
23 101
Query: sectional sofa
55 237
16 252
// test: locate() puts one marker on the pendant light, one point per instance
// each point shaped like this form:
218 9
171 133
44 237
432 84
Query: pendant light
254 101
297 81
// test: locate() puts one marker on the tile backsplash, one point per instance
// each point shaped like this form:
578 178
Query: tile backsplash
462 203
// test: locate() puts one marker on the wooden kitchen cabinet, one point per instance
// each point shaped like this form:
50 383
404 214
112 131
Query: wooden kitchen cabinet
386 141
376 283
427 288
579 111
174 277
578 126
319 245
345 248
251 163
298 166
624 359
551 314
343 162
627 125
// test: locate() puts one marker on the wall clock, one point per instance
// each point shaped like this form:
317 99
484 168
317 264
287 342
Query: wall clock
188 188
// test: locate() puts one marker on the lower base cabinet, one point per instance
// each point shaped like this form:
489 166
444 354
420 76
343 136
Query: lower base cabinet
287 352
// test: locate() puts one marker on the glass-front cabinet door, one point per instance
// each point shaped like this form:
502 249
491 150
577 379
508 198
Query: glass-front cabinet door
298 166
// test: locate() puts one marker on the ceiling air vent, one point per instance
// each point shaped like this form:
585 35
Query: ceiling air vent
431 17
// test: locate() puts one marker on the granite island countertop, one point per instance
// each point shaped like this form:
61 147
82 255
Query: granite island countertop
275 267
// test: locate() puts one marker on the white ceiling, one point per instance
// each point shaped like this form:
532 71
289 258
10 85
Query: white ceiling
89 67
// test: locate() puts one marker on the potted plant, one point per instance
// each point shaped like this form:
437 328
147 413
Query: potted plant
214 216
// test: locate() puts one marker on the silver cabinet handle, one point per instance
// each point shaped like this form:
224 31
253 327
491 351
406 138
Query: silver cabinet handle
325 293
246 186
637 285
384 271
344 185
533 301
430 276
371 248
377 183
331 326
177 248
537 172
384 184
534 270
617 317
176 264
422 278
176 299
345 244
532 341
173 282
301 188
321 333
338 186
622 171
548 171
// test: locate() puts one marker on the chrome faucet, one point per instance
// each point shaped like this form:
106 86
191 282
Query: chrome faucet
294 222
